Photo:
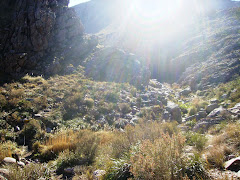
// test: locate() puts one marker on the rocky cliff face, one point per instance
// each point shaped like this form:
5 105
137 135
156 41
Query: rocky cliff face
36 35
46 37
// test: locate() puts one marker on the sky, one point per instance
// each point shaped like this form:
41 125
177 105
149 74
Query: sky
75 2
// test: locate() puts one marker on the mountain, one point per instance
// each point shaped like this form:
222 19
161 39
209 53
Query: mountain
75 105
177 48
43 38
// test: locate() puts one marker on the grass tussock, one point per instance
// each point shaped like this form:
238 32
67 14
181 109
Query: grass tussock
226 142
7 149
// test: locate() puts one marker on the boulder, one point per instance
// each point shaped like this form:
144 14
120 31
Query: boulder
69 170
186 91
233 164
236 109
4 172
22 164
2 178
9 160
217 112
211 107
38 116
201 114
175 111
166 115
190 118
206 123
213 101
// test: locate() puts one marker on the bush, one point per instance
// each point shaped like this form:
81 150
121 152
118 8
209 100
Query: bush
112 97
161 159
84 154
30 132
192 111
124 108
196 139
195 168
89 102
216 156
7 149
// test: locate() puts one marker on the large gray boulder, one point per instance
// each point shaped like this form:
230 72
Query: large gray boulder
233 164
175 111
186 91
218 112
211 107
204 124
115 65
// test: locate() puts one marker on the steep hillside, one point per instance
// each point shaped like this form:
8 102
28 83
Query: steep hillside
173 51
95 112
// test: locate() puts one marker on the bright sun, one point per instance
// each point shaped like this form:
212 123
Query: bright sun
156 18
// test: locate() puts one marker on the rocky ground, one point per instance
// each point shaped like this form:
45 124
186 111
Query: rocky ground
157 102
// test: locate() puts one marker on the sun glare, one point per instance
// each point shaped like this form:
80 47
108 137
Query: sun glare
156 18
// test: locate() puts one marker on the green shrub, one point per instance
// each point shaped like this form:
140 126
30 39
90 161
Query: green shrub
112 97
124 108
196 139
192 111
196 168
30 132
89 102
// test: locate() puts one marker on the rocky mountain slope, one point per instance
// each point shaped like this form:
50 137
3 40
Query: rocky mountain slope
102 115
44 38
204 52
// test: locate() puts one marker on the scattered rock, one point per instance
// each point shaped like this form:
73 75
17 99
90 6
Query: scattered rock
233 164
9 160
190 118
211 107
37 116
201 114
186 91
69 170
224 96
98 174
4 172
217 112
204 124
21 163
214 101
175 111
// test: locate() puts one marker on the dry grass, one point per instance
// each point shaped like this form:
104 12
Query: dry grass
199 103
161 159
225 143
32 171
6 149
216 156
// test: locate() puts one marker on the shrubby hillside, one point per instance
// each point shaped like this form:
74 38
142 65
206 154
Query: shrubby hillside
132 100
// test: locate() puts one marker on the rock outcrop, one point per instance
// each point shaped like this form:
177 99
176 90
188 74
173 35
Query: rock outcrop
38 35
111 64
